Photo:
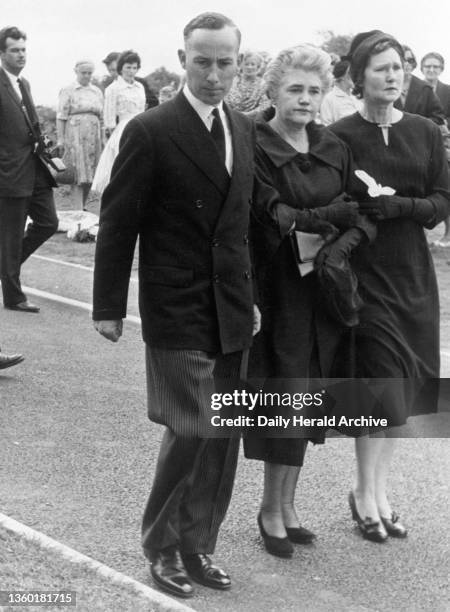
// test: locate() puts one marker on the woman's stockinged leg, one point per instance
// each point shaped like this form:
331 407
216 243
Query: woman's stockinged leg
271 512
368 450
290 518
381 476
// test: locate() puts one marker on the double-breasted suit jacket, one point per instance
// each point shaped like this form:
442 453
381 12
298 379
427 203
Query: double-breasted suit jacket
169 188
17 158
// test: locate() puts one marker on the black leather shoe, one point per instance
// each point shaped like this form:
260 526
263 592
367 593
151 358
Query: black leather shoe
24 307
6 361
169 573
280 547
300 535
393 526
370 529
201 569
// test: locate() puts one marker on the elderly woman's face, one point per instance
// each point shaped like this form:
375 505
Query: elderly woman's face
84 73
299 98
383 78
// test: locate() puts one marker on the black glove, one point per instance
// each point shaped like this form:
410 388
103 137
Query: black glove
342 212
393 207
340 248
308 221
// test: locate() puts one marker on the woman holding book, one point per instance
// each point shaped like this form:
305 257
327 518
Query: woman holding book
302 174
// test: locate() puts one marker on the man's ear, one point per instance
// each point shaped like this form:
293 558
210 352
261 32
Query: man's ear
182 57
240 58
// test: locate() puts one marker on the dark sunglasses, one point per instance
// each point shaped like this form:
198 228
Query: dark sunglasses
410 60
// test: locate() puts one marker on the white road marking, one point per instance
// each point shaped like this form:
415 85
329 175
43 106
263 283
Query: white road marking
158 599
71 265
70 302
63 263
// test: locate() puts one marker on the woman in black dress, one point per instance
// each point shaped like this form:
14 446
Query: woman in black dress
398 334
302 171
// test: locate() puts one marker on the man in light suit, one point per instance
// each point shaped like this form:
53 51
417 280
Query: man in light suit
182 182
25 182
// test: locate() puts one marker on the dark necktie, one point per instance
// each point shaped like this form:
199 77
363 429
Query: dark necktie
28 104
218 134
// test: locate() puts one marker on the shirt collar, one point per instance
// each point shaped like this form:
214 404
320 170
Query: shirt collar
202 109
12 77
124 83
78 85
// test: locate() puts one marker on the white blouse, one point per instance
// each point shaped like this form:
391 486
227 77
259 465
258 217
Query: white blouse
122 101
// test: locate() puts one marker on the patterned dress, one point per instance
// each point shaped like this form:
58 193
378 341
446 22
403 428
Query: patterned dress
247 96
81 107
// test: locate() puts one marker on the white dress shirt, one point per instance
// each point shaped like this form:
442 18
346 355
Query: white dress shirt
13 78
204 111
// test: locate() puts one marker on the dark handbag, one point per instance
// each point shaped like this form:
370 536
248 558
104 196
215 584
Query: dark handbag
339 287
65 177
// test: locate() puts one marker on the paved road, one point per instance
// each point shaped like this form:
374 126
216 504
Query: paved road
78 455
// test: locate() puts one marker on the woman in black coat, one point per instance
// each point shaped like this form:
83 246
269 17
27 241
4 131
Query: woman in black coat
302 172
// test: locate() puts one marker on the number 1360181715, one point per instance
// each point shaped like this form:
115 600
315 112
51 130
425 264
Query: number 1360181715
37 598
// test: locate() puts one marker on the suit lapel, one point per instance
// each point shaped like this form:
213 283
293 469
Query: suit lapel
192 137
243 170
9 88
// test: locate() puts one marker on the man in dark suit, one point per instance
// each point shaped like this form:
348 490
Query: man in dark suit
183 182
25 182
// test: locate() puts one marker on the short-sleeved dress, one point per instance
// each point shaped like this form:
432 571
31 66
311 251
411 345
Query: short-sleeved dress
298 340
82 109
123 101
398 334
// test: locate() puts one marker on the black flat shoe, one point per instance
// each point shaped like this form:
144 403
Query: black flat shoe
394 528
169 573
280 547
300 535
201 569
370 529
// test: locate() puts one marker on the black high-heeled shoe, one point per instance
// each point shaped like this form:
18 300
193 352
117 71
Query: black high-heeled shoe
393 526
280 547
300 535
370 529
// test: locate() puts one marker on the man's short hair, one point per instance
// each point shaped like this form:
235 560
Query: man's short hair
210 21
10 32
111 57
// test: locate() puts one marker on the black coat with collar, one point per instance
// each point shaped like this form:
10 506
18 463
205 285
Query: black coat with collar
169 187
421 100
443 93
17 158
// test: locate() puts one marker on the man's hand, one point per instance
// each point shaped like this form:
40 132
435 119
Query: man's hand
111 330
256 319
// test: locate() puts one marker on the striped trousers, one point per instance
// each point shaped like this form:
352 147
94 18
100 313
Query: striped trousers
194 476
